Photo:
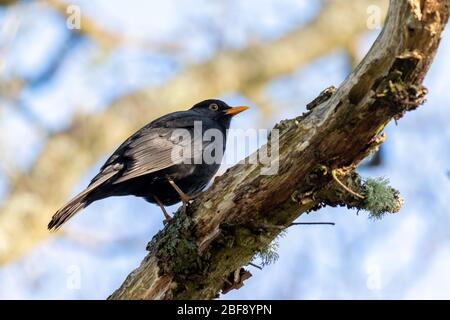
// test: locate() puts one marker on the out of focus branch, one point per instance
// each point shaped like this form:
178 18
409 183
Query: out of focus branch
201 253
35 196
105 38
7 2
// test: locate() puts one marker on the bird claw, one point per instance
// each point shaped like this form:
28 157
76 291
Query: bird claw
184 207
186 199
183 196
167 220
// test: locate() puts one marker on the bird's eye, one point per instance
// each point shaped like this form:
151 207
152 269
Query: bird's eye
213 107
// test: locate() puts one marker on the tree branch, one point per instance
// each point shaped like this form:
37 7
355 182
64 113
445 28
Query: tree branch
34 196
201 252
105 38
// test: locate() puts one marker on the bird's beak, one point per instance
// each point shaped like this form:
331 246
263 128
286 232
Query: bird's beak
235 110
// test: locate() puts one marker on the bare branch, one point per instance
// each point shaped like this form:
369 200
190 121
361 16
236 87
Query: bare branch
105 38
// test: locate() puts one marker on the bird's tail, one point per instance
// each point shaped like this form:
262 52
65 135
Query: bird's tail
68 211
82 200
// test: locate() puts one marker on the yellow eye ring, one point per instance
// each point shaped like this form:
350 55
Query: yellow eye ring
213 107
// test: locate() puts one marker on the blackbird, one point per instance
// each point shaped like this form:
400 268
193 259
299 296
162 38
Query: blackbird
153 164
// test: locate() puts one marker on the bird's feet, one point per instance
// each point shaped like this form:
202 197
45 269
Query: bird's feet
167 220
186 199
167 216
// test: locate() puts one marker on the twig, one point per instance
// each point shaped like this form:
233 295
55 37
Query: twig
333 173
311 223
255 265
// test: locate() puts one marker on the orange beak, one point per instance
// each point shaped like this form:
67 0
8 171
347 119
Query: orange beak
235 110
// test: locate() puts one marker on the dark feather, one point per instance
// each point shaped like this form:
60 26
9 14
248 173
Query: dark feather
141 165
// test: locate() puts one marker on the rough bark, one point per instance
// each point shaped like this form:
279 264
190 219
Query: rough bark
199 253
34 196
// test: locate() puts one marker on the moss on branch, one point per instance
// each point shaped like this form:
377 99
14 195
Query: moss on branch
376 196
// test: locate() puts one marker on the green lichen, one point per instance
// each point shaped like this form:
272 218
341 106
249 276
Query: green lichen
175 247
380 198
269 254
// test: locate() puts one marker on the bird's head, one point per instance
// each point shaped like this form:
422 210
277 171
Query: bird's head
218 110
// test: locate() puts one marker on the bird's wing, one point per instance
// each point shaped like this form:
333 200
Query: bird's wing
156 149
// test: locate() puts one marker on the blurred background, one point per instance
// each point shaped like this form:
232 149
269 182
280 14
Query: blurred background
77 78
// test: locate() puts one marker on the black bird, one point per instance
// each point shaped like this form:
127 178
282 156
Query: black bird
154 163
